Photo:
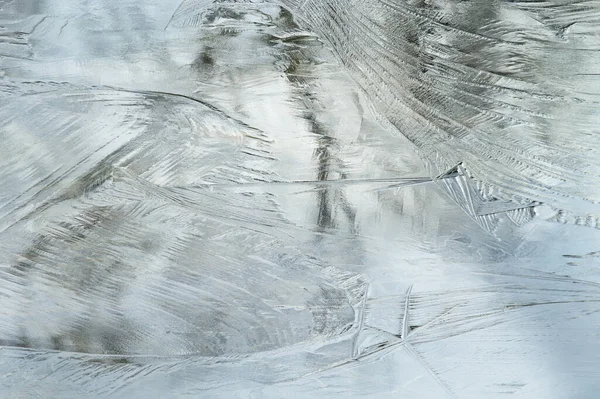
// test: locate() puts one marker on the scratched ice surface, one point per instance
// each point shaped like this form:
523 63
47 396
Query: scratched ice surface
380 198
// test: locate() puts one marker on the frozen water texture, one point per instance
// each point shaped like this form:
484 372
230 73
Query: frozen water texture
508 90
314 198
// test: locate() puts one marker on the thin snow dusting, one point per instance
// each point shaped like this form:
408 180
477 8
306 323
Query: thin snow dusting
316 198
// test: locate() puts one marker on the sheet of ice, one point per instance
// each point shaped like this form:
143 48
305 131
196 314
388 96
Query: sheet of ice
508 90
238 199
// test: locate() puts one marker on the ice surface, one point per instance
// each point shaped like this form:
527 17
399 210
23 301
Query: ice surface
508 90
308 199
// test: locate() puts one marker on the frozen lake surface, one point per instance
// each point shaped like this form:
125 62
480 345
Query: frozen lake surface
383 199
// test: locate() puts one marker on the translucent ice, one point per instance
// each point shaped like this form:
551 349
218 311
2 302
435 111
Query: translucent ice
308 199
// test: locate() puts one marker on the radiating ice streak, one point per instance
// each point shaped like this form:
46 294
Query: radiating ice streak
426 73
44 173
